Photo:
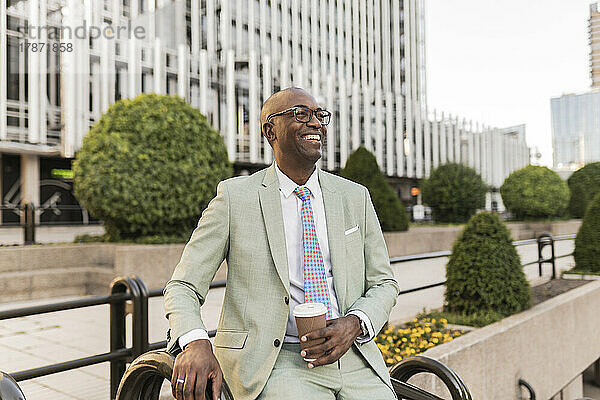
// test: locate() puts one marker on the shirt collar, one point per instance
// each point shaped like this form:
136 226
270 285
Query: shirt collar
287 186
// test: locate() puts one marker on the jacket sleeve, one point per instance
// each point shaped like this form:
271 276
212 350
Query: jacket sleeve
185 293
381 288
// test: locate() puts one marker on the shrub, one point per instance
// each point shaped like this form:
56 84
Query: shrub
587 242
149 167
584 185
362 167
454 192
535 192
484 273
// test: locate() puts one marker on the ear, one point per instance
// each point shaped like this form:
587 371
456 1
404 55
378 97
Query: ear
268 132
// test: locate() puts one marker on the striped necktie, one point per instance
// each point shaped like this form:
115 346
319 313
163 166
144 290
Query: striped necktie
315 280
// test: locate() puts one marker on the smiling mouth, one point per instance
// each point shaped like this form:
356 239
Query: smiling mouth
312 138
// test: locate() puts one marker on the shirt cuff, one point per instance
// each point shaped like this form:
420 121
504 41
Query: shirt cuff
371 332
194 334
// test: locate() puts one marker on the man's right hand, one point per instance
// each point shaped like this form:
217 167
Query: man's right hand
193 368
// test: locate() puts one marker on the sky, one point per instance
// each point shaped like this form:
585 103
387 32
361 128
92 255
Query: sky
500 62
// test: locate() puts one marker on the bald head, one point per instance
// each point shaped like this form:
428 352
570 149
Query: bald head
280 101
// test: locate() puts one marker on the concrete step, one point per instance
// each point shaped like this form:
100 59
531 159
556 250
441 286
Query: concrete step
54 282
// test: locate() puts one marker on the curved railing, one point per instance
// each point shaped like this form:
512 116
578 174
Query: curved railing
9 390
144 377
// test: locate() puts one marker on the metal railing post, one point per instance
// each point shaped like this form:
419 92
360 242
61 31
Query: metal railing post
29 223
118 331
543 240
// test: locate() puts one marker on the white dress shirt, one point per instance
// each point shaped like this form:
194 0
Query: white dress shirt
291 207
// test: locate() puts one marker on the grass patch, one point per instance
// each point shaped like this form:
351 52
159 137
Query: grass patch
576 271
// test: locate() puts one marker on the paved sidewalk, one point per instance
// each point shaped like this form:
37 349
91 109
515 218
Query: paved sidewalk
49 338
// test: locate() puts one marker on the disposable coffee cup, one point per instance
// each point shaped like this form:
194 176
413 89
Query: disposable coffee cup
310 317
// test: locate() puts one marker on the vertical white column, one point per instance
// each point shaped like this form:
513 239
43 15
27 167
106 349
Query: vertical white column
211 43
386 47
267 89
427 143
69 83
33 71
203 81
296 60
379 127
450 139
314 37
116 14
339 28
3 74
443 141
43 68
263 26
457 155
275 33
477 148
364 77
389 133
355 115
83 76
419 134
470 145
285 44
196 26
367 118
377 39
399 135
435 140
370 44
225 27
106 61
323 42
348 42
331 136
408 148
182 71
239 22
306 42
355 43
396 47
133 68
332 43
251 29
230 105
343 123
159 85
253 108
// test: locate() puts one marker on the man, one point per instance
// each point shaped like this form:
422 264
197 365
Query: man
267 225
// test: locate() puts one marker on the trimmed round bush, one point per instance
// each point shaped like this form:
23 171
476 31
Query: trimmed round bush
484 273
584 185
535 192
362 167
454 192
149 167
587 242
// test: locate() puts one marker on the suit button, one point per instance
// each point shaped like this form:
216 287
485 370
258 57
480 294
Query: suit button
287 300
276 343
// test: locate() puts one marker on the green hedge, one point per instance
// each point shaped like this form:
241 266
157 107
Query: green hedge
584 185
484 274
149 167
362 167
535 192
587 243
454 192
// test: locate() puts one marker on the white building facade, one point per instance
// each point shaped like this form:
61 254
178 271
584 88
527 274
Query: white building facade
364 60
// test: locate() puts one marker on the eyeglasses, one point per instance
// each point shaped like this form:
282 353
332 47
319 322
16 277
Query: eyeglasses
304 115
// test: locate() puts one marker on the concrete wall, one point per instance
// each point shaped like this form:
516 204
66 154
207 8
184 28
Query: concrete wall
549 345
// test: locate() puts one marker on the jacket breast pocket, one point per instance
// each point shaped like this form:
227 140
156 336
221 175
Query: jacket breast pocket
231 339
352 234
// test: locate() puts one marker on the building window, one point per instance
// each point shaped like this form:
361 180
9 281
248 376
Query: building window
13 76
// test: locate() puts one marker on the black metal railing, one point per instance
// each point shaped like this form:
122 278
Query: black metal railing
133 290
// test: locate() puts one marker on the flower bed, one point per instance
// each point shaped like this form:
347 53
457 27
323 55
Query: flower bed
414 337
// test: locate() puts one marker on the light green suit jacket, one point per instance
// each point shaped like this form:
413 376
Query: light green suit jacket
244 225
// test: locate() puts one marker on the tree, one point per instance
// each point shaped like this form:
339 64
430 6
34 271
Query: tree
535 192
484 273
149 167
587 242
362 167
454 192
584 185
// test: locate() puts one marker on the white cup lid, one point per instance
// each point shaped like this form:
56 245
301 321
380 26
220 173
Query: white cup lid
309 310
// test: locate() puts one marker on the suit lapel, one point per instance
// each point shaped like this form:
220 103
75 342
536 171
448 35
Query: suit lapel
334 215
270 203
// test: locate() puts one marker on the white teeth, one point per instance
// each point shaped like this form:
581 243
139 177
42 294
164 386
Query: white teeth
312 137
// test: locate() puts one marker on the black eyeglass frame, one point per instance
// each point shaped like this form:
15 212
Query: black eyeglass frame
312 112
